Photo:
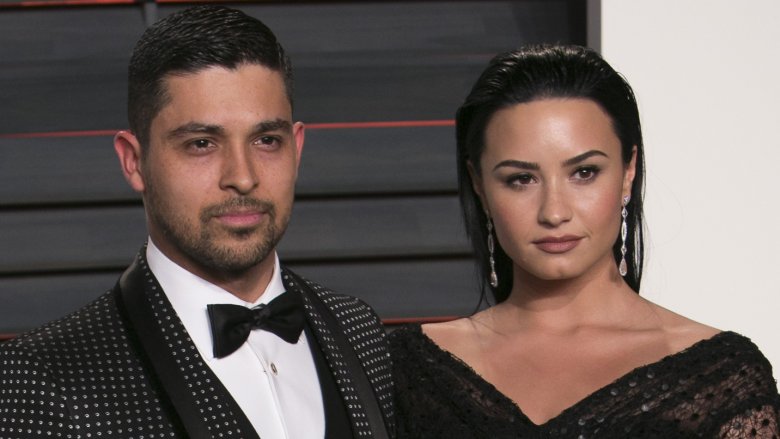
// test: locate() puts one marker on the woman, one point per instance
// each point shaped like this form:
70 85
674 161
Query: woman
550 166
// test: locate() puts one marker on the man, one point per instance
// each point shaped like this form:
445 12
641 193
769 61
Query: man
205 335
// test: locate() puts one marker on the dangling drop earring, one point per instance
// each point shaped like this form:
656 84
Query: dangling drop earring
491 248
623 268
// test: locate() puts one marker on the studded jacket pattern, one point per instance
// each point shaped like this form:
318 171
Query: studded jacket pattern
84 376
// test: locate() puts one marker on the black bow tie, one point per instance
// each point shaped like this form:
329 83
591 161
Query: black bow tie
231 324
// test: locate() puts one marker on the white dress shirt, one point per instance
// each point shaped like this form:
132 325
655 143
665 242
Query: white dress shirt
274 382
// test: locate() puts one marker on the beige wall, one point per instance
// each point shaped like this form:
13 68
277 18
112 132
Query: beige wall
706 74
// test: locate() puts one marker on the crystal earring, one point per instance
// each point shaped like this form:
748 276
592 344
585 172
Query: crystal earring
623 268
491 248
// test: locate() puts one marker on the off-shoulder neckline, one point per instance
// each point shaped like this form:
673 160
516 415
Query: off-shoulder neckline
646 370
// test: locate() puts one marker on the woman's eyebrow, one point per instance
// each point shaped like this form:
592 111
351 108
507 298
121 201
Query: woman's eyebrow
517 164
582 157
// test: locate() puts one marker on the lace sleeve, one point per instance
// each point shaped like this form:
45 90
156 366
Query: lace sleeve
749 403
761 422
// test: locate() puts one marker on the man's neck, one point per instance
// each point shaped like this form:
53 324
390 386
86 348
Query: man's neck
247 285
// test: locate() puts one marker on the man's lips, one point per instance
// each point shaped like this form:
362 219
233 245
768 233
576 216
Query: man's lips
557 244
240 218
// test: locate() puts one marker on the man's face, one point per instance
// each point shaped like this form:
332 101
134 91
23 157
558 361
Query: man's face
219 172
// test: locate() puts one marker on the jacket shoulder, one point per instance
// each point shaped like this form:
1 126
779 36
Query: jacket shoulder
37 370
352 313
364 332
31 401
92 323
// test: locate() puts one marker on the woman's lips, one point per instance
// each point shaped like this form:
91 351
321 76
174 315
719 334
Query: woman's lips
557 244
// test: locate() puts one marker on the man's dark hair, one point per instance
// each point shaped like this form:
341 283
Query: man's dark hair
192 40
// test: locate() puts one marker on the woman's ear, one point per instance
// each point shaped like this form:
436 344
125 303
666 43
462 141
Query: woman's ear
476 184
128 149
629 173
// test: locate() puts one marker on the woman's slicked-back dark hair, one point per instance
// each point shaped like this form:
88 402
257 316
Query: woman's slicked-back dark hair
530 74
189 41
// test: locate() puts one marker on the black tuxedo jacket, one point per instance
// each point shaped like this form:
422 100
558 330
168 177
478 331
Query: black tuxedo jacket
103 373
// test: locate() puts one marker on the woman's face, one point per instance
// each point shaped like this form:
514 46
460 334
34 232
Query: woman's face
553 178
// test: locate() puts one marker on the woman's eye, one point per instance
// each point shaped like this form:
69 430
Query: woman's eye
586 173
520 180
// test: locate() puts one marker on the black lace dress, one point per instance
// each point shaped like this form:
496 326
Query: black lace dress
721 387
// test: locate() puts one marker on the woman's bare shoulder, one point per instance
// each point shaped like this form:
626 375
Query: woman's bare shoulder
450 329
455 336
681 331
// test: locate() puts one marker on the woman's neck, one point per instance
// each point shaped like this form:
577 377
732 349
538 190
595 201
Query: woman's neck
599 297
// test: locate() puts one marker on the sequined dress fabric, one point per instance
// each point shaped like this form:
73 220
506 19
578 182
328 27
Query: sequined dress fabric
721 387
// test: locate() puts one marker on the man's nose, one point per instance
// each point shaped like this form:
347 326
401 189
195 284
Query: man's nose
238 171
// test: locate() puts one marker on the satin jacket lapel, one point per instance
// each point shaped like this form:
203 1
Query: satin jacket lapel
202 404
338 423
334 358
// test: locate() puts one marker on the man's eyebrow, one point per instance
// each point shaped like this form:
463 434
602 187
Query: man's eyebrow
517 164
582 157
219 130
273 125
196 128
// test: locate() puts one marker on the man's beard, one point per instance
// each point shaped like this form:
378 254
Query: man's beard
203 247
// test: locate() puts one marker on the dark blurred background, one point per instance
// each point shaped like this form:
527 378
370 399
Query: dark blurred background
377 84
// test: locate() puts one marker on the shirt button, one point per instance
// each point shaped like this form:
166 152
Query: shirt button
273 369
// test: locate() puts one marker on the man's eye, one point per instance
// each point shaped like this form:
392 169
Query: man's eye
269 141
200 143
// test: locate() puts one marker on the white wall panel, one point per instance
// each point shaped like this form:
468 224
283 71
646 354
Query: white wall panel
706 76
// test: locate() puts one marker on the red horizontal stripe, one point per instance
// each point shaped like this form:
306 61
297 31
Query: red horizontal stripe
93 133
196 1
57 3
388 124
311 126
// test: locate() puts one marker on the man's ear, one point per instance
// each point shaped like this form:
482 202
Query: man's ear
299 133
128 149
